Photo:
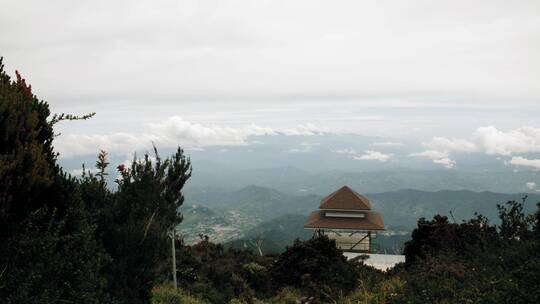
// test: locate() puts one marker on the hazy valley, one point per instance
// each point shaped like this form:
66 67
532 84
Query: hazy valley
239 217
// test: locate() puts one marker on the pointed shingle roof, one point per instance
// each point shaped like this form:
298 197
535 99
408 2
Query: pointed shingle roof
345 198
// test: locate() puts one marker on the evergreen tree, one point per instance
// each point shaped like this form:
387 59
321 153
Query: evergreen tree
48 253
134 221
74 240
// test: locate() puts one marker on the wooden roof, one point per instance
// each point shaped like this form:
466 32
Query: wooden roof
372 221
345 198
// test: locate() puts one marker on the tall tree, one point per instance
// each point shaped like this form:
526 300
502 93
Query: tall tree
48 253
134 221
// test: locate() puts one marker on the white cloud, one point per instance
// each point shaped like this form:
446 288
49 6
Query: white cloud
440 148
490 140
446 162
431 154
367 155
169 133
450 144
387 144
374 155
438 157
530 185
175 131
305 129
346 151
300 150
305 147
522 140
524 162
83 144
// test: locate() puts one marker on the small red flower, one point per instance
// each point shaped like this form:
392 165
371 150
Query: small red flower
121 168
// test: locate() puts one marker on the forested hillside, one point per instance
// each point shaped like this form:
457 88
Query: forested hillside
399 208
264 213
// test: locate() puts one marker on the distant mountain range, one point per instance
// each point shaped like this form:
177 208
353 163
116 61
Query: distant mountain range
398 208
261 212
295 181
319 163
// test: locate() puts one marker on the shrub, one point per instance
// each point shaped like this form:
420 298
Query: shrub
287 295
474 262
166 294
316 267
221 275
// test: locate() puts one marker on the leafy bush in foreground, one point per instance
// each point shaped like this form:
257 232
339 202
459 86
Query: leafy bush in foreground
316 267
166 294
474 261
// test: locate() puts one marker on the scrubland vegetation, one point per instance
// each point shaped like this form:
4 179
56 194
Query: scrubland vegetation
68 239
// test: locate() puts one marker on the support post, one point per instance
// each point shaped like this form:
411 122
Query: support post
174 259
369 243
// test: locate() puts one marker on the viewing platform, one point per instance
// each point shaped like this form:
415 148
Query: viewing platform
347 217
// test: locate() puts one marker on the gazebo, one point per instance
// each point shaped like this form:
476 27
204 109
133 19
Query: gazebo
346 217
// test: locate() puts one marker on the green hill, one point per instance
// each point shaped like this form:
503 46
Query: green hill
239 217
398 208
276 234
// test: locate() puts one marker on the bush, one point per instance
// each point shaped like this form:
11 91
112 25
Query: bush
474 262
316 267
287 295
166 294
438 235
220 275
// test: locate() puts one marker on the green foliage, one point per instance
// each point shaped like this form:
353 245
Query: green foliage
134 221
384 290
237 301
473 262
73 240
535 219
27 161
48 253
432 237
287 295
315 266
514 223
52 262
166 294
219 275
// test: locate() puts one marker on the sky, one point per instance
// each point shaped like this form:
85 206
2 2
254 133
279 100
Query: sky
451 76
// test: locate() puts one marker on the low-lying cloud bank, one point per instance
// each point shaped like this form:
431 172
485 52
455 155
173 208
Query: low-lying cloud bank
514 145
488 140
373 155
171 132
365 155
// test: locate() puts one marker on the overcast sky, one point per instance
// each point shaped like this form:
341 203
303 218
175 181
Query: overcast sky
216 71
